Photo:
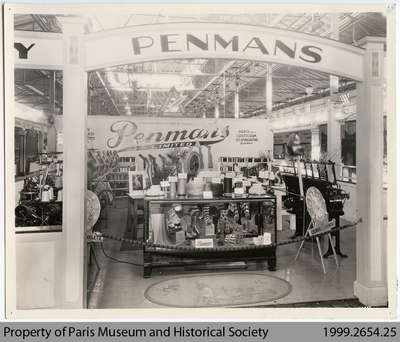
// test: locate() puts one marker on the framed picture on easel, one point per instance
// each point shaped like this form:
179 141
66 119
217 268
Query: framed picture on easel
137 182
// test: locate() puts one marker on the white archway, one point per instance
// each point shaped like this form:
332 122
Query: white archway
78 53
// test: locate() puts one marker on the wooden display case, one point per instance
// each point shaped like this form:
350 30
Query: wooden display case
186 254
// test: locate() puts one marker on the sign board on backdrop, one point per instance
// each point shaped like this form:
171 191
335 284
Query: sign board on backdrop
144 43
133 136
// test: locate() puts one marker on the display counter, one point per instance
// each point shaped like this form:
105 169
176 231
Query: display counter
190 231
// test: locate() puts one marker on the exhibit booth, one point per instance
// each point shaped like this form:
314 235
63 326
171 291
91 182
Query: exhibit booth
215 187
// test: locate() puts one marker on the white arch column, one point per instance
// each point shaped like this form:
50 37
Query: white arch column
74 155
371 284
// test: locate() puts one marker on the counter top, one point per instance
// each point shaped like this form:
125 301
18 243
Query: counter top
195 200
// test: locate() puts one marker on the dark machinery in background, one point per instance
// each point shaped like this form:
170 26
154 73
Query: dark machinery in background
36 213
322 176
32 211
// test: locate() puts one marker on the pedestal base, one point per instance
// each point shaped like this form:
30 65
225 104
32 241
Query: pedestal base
371 296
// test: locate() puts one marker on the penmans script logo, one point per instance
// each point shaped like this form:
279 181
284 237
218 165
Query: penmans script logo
127 137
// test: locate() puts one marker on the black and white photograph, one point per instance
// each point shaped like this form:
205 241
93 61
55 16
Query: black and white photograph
136 181
200 157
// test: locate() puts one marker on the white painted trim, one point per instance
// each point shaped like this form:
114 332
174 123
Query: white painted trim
95 42
371 296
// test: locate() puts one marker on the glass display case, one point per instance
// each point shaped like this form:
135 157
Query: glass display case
190 231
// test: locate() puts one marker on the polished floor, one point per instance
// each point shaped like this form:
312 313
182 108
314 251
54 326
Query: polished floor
121 284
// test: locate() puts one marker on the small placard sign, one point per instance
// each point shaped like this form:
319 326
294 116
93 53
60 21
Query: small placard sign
182 175
239 191
164 184
266 238
204 243
207 194
262 174
172 179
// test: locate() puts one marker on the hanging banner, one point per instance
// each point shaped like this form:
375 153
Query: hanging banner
226 137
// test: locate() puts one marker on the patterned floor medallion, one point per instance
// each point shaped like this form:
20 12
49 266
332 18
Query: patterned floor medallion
216 290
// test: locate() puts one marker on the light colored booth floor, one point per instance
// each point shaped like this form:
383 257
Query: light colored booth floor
121 285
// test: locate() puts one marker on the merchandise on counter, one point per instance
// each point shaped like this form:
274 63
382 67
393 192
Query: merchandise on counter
165 185
173 221
233 239
154 191
217 189
233 211
172 187
194 188
209 228
182 184
227 185
257 189
207 186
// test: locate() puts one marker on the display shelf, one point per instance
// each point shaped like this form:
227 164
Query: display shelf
171 254
118 179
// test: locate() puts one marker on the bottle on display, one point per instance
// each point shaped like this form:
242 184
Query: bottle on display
182 184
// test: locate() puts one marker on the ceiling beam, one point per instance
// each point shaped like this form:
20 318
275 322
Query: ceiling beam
107 92
225 68
276 20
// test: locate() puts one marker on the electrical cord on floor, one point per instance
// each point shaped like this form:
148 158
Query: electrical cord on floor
117 260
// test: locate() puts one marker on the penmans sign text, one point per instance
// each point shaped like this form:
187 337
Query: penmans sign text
222 40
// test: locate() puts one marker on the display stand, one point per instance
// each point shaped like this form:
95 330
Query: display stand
154 256
319 224
309 233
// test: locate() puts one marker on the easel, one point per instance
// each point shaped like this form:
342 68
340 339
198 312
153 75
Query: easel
314 231
319 223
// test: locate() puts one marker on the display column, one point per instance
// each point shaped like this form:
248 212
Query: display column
74 156
370 286
315 144
237 103
216 109
333 135
334 147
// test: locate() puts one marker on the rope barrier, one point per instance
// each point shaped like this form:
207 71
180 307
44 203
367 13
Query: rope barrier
225 248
